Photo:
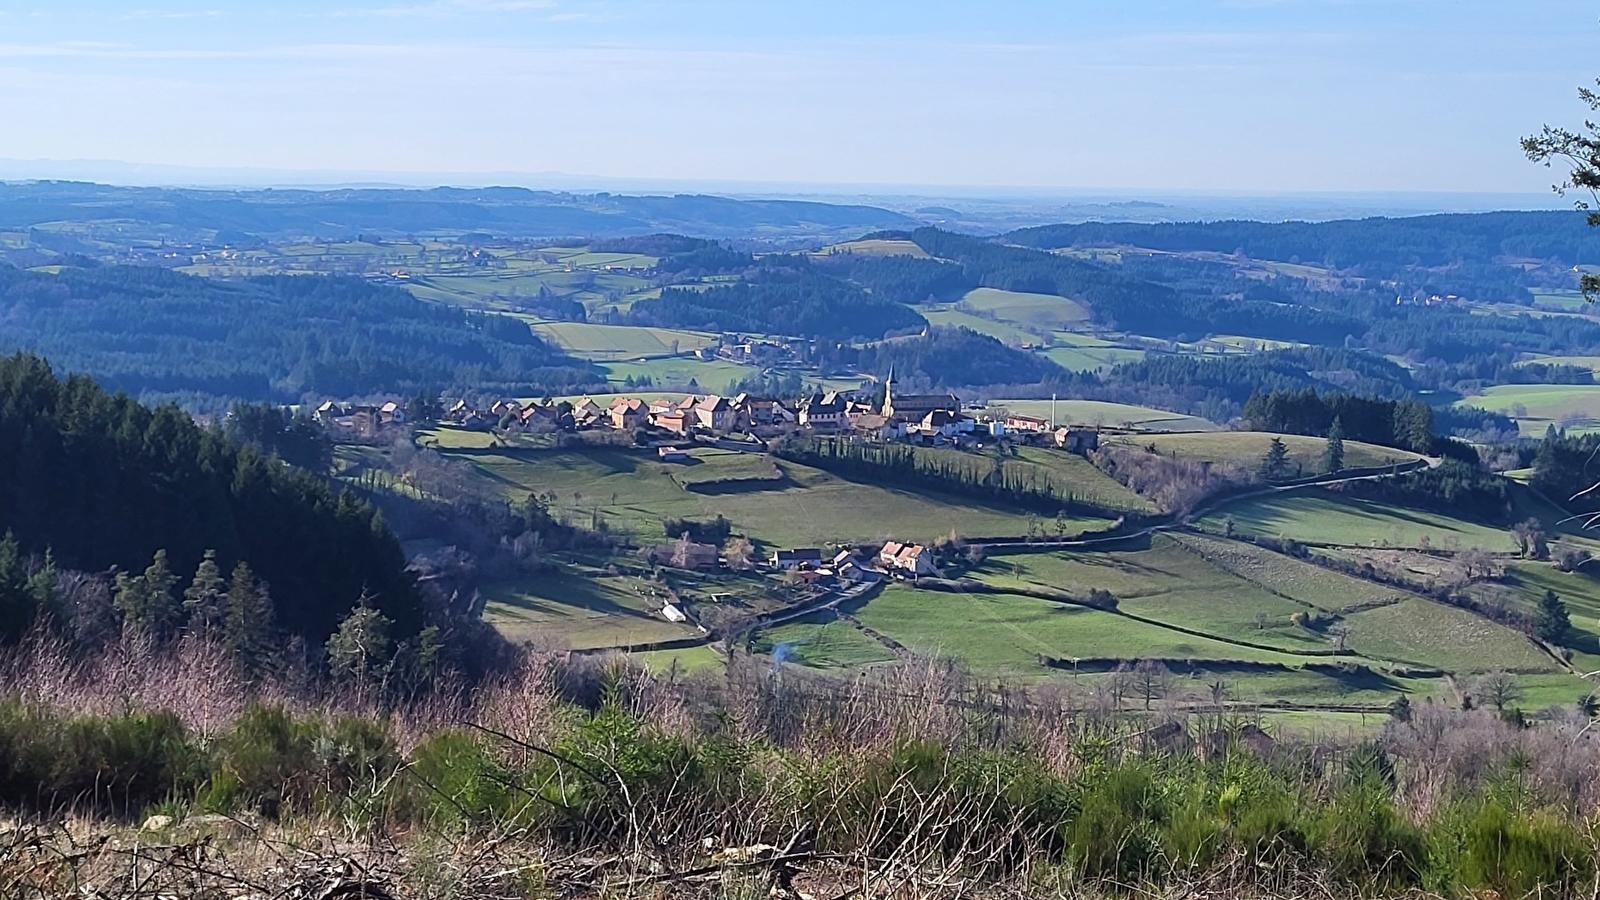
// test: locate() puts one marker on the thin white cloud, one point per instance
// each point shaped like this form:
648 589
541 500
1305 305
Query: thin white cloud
446 8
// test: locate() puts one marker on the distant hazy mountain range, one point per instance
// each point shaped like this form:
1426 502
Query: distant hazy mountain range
234 216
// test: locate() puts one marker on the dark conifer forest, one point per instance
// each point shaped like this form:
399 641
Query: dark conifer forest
149 331
97 480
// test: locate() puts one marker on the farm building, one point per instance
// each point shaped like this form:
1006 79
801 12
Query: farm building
795 559
1077 440
907 559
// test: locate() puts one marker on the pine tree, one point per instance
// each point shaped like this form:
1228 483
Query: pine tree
1333 453
1551 622
362 647
247 620
17 608
146 601
205 597
1276 461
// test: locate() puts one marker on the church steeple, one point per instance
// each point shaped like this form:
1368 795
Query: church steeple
888 393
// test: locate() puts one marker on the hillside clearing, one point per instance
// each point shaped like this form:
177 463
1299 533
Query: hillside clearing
1314 516
1248 448
1101 413
1538 406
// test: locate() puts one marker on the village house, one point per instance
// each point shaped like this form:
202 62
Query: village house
1077 440
503 408
877 428
586 412
824 412
715 414
808 558
329 411
1030 424
392 413
907 559
628 413
675 420
943 423
759 412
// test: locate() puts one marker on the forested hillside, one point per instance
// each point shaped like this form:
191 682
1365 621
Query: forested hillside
1439 240
787 301
150 331
96 480
950 358
1132 304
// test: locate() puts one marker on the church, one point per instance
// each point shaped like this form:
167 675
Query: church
913 408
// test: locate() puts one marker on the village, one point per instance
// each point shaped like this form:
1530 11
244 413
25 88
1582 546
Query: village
921 419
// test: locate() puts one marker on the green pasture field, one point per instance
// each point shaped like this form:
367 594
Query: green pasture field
618 342
580 608
1168 584
1004 332
1567 301
1543 405
879 247
634 491
1035 311
1092 359
1247 344
712 376
1248 447
1068 473
1555 689
1078 339
692 659
1310 687
1524 585
1114 415
1006 633
1592 363
1314 726
1431 634
830 644
1285 575
1316 516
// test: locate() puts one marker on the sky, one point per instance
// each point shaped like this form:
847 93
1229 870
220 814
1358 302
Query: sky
1243 96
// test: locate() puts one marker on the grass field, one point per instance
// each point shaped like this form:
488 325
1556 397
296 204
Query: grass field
1291 577
830 644
1538 406
1248 447
879 247
1067 472
711 376
580 609
1116 415
1319 517
1004 332
1046 312
1592 363
692 659
1092 359
1430 634
635 492
616 342
1008 633
1566 301
1170 585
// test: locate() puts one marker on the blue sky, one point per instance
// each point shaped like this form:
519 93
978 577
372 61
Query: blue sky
1241 96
